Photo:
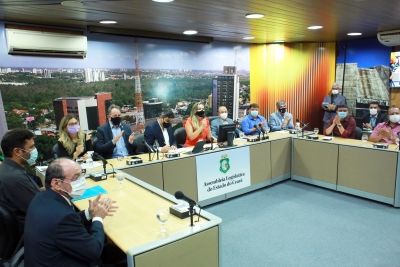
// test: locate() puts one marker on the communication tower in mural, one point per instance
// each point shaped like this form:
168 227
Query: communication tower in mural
140 120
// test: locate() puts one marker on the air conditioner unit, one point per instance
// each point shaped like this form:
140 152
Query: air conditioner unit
45 43
389 38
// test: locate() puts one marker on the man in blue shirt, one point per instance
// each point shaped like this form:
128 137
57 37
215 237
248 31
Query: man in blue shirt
115 138
331 102
252 119
281 119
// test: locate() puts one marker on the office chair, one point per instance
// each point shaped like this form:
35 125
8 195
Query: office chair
17 260
141 148
359 133
54 151
211 118
94 144
9 233
180 136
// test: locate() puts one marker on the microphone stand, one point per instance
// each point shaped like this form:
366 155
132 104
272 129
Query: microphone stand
212 140
191 213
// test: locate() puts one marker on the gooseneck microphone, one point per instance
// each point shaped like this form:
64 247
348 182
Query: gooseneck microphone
180 195
297 120
105 162
212 140
149 148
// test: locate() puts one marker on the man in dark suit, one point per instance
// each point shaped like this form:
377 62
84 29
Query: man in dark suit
57 235
374 116
161 130
114 138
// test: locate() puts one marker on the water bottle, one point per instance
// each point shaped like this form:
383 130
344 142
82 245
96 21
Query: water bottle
89 162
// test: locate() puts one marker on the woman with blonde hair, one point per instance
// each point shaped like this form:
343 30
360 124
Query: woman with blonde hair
197 126
73 143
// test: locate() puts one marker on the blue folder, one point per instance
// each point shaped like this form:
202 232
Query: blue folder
91 192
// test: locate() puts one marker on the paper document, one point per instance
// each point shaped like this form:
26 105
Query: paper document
95 165
91 192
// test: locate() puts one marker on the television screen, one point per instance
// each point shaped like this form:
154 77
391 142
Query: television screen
394 69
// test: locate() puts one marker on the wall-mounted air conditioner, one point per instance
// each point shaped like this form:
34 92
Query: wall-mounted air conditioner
389 38
39 43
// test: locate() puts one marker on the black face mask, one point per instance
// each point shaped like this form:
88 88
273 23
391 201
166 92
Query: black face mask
201 113
282 110
166 124
116 120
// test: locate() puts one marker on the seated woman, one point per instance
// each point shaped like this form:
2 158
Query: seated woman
197 126
73 143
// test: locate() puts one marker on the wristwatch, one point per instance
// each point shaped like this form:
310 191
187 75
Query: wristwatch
391 137
339 125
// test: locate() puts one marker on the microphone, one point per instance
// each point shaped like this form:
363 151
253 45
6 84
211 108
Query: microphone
151 150
180 195
304 126
105 162
261 126
297 120
212 140
256 127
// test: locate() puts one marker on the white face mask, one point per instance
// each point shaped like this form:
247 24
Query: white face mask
78 187
373 111
335 92
394 118
223 116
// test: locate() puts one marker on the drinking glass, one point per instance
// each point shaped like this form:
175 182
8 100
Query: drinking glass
397 141
364 138
120 158
120 178
268 129
316 130
162 217
241 135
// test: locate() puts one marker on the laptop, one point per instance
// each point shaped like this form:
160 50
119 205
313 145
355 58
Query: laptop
197 148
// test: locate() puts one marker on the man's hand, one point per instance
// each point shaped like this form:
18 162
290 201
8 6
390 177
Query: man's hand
332 107
165 149
172 148
367 125
384 133
118 136
102 207
336 120
131 138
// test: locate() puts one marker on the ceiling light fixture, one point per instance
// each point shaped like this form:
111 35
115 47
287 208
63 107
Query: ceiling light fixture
107 21
354 33
278 41
189 32
219 24
248 37
163 1
314 27
71 3
254 16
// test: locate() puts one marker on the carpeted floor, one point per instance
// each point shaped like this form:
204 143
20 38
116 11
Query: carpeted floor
296 224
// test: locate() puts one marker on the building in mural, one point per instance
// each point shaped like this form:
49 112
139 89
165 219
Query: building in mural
152 108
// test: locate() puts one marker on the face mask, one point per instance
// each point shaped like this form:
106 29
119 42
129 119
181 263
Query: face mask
254 113
201 113
166 124
73 129
394 118
116 120
282 110
342 114
33 156
373 111
223 116
78 187
335 92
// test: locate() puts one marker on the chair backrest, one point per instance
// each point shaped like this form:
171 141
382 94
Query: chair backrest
94 144
211 118
9 233
359 133
180 136
54 151
18 258
141 148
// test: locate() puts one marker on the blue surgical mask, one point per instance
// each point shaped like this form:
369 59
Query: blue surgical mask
254 113
342 114
33 156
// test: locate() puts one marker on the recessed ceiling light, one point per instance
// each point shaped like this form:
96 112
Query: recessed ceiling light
219 24
71 3
354 33
163 1
189 32
254 16
107 21
248 37
278 41
299 35
314 27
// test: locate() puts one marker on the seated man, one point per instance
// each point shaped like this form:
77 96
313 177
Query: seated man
342 125
114 138
161 130
17 189
374 116
281 119
252 119
387 132
56 234
223 119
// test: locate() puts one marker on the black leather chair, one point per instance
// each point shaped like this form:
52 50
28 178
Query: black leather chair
54 151
180 136
211 118
359 133
9 233
141 149
18 259
94 143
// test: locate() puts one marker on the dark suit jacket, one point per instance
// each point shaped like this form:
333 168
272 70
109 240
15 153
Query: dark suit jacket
56 235
105 145
153 132
380 117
